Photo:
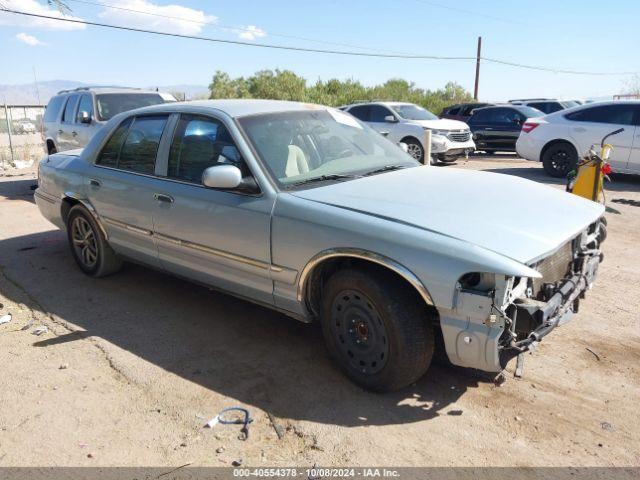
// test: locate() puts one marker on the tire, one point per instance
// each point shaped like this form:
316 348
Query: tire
52 149
89 247
559 159
414 148
376 330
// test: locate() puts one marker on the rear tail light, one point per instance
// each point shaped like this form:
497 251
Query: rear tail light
529 126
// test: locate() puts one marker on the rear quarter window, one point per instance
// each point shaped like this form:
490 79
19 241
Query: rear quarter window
52 112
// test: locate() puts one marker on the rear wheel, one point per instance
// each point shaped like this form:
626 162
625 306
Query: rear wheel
376 329
559 159
89 247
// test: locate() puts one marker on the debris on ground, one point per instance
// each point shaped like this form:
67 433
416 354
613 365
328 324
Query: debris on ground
27 326
5 319
607 426
237 463
219 449
276 425
64 366
40 330
594 353
244 431
517 418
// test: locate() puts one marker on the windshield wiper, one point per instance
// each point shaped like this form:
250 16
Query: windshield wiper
322 178
386 168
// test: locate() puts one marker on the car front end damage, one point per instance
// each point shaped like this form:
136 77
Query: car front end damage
496 317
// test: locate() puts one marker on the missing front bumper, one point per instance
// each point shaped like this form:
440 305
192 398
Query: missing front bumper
541 318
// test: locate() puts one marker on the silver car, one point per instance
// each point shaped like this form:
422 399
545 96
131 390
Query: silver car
306 210
73 117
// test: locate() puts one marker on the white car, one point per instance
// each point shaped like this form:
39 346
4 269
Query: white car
407 122
560 139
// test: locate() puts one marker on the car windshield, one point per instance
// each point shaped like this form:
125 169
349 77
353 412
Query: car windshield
111 104
320 145
413 112
530 112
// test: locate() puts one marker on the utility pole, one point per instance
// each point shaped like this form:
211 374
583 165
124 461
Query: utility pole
478 56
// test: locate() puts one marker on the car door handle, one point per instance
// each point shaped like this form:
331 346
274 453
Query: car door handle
161 197
74 133
60 131
95 183
579 129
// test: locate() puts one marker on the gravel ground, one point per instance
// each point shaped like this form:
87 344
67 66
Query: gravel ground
133 365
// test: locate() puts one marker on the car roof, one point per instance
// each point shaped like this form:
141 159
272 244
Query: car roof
108 89
234 107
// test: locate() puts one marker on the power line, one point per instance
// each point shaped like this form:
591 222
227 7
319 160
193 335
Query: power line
318 50
239 42
224 27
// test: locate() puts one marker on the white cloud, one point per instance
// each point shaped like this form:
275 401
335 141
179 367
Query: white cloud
29 39
251 32
186 21
32 6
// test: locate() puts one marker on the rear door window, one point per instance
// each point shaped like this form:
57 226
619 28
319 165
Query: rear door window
109 155
453 111
613 114
138 154
53 109
69 110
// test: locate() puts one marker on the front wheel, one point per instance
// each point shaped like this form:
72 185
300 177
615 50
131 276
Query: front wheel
414 148
559 159
376 329
89 247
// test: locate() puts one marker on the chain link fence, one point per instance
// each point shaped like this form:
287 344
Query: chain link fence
21 142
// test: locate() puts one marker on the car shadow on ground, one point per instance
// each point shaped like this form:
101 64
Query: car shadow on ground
230 346
18 189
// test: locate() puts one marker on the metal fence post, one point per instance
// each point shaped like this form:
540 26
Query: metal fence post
8 120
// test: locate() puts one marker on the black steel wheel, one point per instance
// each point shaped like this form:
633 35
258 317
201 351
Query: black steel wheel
560 159
361 334
376 328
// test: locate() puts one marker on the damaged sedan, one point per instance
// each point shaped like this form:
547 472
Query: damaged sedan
304 209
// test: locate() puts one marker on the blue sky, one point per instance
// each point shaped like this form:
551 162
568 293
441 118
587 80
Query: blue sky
568 34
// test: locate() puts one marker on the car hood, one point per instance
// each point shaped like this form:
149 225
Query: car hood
442 124
517 218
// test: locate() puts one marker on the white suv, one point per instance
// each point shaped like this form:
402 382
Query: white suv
560 139
407 122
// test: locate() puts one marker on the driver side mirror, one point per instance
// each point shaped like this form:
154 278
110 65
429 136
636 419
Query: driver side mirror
228 177
390 119
85 117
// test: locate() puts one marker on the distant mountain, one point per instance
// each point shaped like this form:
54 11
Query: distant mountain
26 94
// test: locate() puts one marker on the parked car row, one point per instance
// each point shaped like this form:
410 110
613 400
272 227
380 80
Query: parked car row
556 133
406 123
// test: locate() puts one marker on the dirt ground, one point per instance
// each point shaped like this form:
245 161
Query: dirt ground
133 365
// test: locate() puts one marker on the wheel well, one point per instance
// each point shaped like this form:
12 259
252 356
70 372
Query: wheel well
67 204
555 142
412 138
322 272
